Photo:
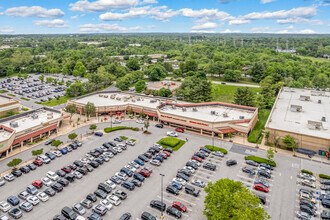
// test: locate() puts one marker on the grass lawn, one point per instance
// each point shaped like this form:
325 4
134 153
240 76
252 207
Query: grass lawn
314 59
171 142
55 102
260 125
242 81
12 95
26 99
3 91
225 93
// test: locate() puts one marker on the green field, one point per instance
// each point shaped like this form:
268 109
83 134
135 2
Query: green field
225 93
55 102
242 81
260 125
314 59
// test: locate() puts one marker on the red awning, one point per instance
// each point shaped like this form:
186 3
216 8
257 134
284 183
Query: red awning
227 130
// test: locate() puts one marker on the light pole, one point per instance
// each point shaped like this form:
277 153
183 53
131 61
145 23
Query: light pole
161 194
213 131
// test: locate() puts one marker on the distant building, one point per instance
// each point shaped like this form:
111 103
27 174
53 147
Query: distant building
8 104
91 42
134 45
303 114
292 51
326 56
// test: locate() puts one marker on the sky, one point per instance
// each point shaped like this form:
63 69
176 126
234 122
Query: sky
180 16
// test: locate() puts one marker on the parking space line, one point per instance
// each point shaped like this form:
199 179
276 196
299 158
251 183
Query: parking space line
171 203
193 204
201 177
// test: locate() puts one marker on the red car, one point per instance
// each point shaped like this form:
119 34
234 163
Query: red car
167 153
38 162
38 184
144 173
196 158
66 169
179 206
179 130
261 187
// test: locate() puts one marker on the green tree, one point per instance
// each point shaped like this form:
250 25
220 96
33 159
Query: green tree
229 199
72 109
156 72
189 65
194 89
232 75
72 136
146 124
123 83
276 142
37 152
10 113
49 79
164 92
141 114
14 163
140 86
267 136
290 142
76 89
42 78
79 69
133 64
92 128
321 81
89 109
244 96
56 143
270 154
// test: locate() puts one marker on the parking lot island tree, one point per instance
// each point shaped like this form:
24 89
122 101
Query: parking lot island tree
229 199
92 128
56 143
146 125
89 109
37 152
270 154
15 162
72 136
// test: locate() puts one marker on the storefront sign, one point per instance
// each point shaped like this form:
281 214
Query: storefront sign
1 145
198 123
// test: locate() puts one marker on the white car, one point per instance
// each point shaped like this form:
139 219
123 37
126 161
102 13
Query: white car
155 162
116 122
130 143
77 175
108 154
46 181
2 181
57 153
85 160
42 196
52 175
218 153
172 134
160 147
44 159
131 168
106 203
9 177
306 182
111 184
179 180
4 206
79 217
198 182
33 200
192 170
133 164
121 175
140 121
114 200
118 149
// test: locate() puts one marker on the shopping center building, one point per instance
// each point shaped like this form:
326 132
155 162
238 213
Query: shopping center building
212 118
8 104
304 115
28 127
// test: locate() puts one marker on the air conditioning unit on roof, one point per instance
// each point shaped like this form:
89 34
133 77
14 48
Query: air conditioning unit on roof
195 109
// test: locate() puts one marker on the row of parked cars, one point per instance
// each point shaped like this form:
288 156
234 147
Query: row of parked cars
308 200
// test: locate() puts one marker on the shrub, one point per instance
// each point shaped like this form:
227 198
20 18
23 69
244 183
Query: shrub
213 148
171 142
26 99
25 109
124 137
132 140
324 176
108 130
32 143
261 160
307 171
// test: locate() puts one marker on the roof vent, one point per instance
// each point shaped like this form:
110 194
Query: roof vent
296 108
34 116
105 96
184 109
13 124
153 101
100 95
241 117
113 96
212 112
315 125
323 119
225 114
304 98
195 109
319 101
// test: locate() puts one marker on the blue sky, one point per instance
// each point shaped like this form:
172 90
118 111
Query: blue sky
199 16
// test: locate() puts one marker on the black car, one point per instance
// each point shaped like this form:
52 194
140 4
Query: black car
143 158
168 150
174 212
106 145
49 141
60 173
325 196
182 176
94 164
72 166
31 166
172 189
185 172
50 155
17 173
148 154
50 192
325 215
68 213
91 197
248 170
136 182
115 179
192 164
25 169
57 187
82 170
78 163
125 216
307 203
264 174
262 199
105 187
325 181
205 149
158 205
210 166
231 162
200 154
126 171
113 144
163 155
152 151
63 182
113 151
159 125
99 161
73 146
100 193
70 177
147 216
307 210
252 163
267 166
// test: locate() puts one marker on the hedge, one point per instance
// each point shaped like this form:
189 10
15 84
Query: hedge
324 176
261 160
171 142
213 148
108 130
307 171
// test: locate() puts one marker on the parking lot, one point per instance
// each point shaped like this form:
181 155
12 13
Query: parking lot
280 198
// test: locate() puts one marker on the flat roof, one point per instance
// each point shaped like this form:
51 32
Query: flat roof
7 100
203 112
27 121
285 117
4 134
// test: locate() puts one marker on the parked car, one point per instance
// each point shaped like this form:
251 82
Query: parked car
209 166
252 163
174 212
26 206
248 170
68 213
100 134
15 213
231 162
114 200
13 200
198 182
156 204
191 190
179 130
120 194
261 187
171 189
159 125
172 134
79 209
86 203
179 206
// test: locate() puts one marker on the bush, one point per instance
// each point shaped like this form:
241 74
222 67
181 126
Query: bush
324 176
26 99
307 171
261 160
25 109
32 143
108 130
132 140
213 148
171 142
124 137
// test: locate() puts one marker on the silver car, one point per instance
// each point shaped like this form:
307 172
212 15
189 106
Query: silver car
2 181
218 154
198 183
121 175
79 209
86 203
9 177
155 162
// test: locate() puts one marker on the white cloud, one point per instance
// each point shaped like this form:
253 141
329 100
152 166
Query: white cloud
267 1
260 29
6 30
57 23
74 17
34 11
149 2
306 31
228 31
152 26
302 12
102 5
299 20
208 25
238 22
203 31
283 32
225 1
158 13
93 28
205 14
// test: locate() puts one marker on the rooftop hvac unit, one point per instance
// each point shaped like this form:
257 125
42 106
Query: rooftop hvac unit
194 109
13 124
296 108
173 107
212 112
315 125
241 117
34 116
153 101
184 109
323 119
49 117
319 101
112 96
133 100
138 99
225 114
105 96
100 95
49 113
304 98
118 98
